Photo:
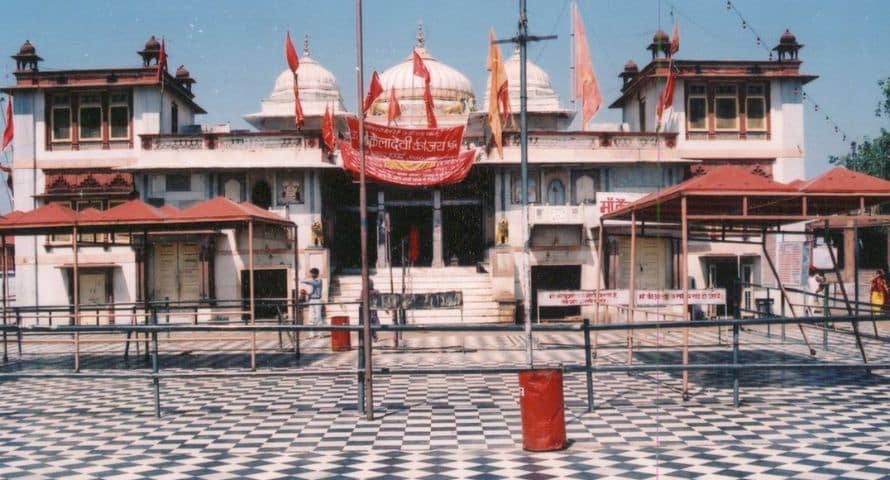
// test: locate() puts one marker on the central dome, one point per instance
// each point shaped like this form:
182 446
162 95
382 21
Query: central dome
541 96
452 91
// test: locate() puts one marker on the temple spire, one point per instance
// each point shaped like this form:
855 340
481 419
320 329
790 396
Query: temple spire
420 38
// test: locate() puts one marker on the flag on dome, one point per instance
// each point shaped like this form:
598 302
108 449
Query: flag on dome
395 111
327 129
421 71
587 89
498 93
293 62
9 130
162 60
374 91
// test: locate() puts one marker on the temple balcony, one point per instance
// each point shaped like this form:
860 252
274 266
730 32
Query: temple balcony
237 150
588 147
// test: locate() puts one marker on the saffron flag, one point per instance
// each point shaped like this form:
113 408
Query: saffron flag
587 89
9 131
675 39
293 62
327 129
374 91
162 60
394 111
498 94
421 71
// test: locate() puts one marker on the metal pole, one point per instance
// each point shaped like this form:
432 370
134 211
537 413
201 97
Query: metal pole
684 280
772 267
600 251
5 301
854 322
735 362
363 213
250 282
588 371
75 282
296 307
632 275
155 366
523 153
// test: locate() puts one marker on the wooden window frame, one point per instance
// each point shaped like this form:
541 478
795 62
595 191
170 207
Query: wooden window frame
66 105
85 105
727 96
698 96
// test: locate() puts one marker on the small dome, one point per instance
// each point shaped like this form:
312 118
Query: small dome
631 66
661 37
27 48
152 44
788 38
182 72
318 90
541 96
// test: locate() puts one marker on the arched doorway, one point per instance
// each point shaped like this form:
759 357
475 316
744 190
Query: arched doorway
261 194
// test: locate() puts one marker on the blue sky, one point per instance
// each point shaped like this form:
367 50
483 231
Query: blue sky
234 48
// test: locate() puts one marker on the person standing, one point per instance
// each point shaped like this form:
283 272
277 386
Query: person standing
372 312
316 314
878 295
815 284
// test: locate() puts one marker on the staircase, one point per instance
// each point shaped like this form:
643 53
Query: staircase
479 306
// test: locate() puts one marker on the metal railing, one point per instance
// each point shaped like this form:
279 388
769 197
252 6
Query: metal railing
152 328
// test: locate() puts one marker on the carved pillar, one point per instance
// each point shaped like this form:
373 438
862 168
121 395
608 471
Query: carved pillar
437 229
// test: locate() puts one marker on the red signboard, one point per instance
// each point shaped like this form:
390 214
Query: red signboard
419 173
408 143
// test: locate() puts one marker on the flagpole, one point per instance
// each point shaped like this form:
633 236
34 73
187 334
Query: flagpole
363 214
8 155
572 73
523 142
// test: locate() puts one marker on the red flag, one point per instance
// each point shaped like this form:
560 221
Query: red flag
162 59
374 91
666 99
675 39
394 111
421 71
290 53
293 63
8 132
586 87
419 68
327 129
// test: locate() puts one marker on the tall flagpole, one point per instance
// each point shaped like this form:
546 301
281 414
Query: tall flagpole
572 66
363 214
522 38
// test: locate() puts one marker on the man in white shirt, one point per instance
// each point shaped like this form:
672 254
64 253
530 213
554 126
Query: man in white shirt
316 315
815 284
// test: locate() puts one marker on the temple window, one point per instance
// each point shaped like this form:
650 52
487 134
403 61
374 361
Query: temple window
755 107
90 117
697 108
119 116
726 107
61 118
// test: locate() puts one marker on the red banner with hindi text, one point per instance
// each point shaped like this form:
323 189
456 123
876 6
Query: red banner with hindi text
408 143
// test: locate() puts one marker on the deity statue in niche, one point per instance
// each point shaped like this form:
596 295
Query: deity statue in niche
291 191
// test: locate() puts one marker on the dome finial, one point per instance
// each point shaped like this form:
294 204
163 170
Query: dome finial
420 38
306 45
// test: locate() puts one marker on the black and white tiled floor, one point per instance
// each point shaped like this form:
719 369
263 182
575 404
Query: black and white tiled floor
791 424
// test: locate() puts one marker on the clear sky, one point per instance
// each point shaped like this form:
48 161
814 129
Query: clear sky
234 47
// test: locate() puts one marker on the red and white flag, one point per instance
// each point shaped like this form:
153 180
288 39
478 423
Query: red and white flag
9 131
394 111
421 71
293 63
587 89
374 91
675 39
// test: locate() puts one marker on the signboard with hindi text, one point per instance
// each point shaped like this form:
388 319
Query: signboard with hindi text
407 143
644 298
417 301
580 298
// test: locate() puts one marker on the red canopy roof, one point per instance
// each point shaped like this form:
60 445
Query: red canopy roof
132 212
223 209
841 180
52 214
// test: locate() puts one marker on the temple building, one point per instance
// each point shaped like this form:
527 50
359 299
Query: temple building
92 139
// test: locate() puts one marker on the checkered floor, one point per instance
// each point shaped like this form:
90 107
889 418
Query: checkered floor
791 424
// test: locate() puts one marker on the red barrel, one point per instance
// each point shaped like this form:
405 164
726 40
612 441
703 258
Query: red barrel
543 410
340 340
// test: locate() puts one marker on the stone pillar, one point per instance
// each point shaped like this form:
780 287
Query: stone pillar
381 233
437 229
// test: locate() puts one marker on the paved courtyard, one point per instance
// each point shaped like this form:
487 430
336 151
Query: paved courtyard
821 423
